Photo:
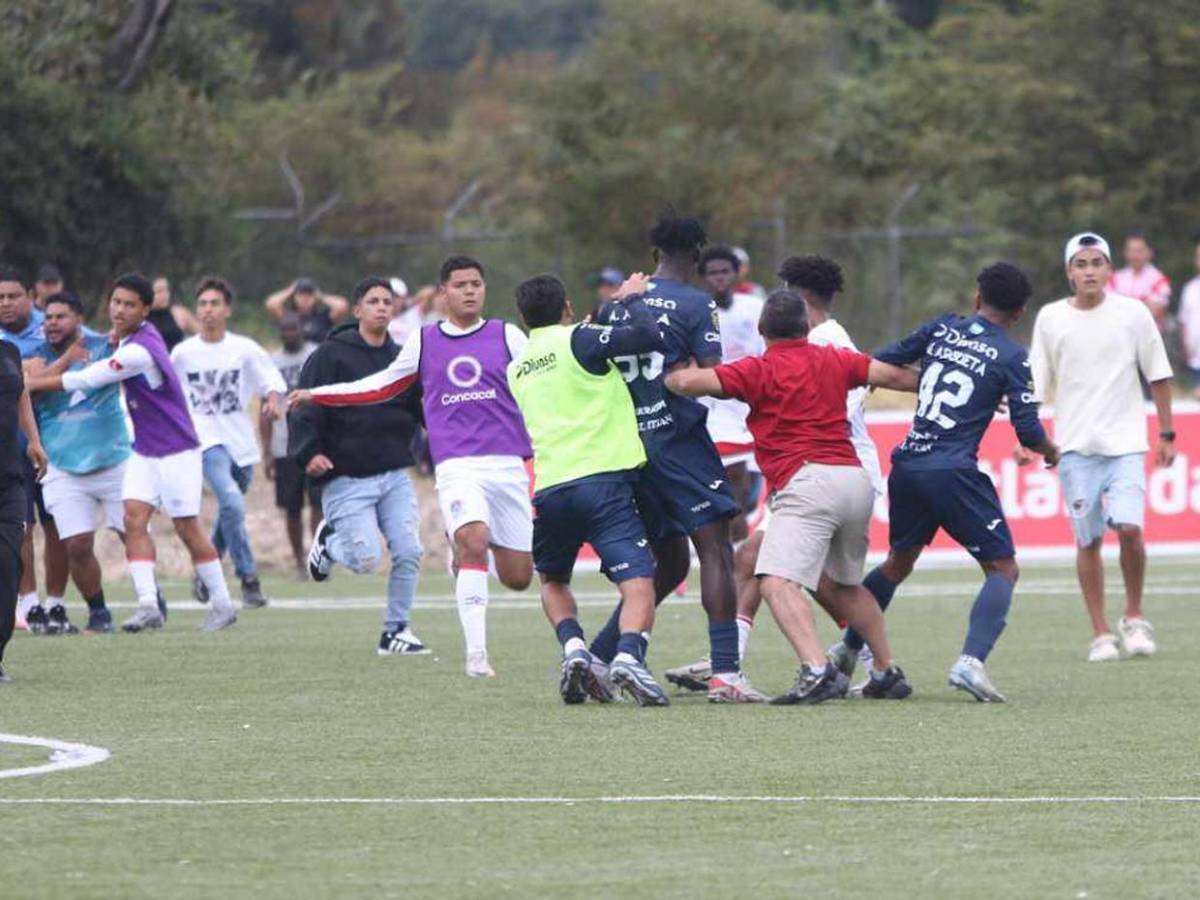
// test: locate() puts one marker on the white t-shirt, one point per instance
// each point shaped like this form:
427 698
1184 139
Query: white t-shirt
1189 318
830 333
739 339
1086 363
218 379
289 366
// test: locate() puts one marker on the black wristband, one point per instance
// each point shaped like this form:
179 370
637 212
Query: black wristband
1167 435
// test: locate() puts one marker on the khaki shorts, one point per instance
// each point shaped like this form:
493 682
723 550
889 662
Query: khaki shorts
819 523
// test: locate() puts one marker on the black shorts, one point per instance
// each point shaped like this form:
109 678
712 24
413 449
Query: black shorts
684 487
291 484
35 505
961 501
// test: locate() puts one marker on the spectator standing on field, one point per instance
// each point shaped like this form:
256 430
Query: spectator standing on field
1088 352
174 321
1189 323
48 283
318 312
1141 280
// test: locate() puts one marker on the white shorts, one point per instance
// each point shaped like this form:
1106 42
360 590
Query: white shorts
172 483
496 495
72 499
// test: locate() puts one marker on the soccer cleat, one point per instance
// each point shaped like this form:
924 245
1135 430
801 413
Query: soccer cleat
843 658
694 677
400 642
633 678
572 683
5 678
968 674
36 620
320 563
161 602
252 594
832 684
143 619
1104 649
477 666
891 685
219 618
734 687
599 682
99 622
57 621
1137 637
199 590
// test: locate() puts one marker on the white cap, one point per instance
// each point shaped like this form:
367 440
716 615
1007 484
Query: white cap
1084 240
399 288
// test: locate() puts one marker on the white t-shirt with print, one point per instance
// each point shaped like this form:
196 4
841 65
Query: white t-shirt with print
289 366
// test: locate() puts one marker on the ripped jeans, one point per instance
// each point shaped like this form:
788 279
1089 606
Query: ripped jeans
360 508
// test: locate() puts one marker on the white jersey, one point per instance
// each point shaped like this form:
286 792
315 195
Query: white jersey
739 338
830 333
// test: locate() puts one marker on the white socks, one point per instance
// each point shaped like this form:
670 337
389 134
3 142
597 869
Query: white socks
26 602
471 593
214 579
144 585
745 626
52 602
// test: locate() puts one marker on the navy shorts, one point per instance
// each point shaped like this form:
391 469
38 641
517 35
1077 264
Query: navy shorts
599 512
35 505
683 488
961 501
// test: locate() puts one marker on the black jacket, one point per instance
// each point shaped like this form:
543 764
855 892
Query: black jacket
360 440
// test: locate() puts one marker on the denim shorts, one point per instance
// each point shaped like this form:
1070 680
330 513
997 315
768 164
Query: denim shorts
1103 491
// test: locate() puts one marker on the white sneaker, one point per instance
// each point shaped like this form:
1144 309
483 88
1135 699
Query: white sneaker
1104 649
477 666
1137 637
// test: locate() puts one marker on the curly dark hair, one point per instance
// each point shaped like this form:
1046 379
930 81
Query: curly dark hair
817 274
678 234
718 252
1005 287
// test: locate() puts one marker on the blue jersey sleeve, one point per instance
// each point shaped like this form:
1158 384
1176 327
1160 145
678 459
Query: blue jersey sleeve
1022 407
908 350
637 332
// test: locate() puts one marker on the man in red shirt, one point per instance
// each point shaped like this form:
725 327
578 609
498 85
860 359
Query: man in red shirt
821 497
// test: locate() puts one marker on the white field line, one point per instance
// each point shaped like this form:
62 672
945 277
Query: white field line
844 799
1174 587
64 755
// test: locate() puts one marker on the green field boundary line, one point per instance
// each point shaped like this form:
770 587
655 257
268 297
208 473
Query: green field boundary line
844 799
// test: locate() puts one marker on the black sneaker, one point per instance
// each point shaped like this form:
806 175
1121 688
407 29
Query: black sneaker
252 595
57 621
162 603
199 590
401 642
319 561
832 684
892 686
36 619
99 622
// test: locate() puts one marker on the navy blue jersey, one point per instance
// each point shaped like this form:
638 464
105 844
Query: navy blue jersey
967 367
687 319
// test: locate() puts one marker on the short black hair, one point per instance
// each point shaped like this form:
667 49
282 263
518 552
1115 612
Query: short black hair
9 273
718 251
1138 235
136 282
674 234
454 263
1005 287
371 281
541 300
215 283
66 298
818 274
784 315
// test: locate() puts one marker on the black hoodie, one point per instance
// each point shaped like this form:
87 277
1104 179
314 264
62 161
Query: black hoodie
359 440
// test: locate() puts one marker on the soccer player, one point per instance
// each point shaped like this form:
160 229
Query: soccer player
21 323
87 441
164 470
1088 351
586 459
16 412
738 316
969 367
818 280
220 371
821 497
683 490
360 456
476 437
291 484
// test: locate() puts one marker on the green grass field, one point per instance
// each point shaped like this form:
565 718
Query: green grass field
298 761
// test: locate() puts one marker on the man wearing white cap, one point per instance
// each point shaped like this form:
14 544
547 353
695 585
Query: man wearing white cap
1088 350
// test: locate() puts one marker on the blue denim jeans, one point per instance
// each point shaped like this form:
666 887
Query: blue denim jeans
229 481
360 508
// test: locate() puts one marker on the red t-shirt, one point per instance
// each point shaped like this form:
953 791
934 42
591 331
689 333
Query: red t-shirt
797 397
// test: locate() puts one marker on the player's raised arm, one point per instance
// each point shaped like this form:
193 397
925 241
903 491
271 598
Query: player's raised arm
129 360
632 330
397 378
